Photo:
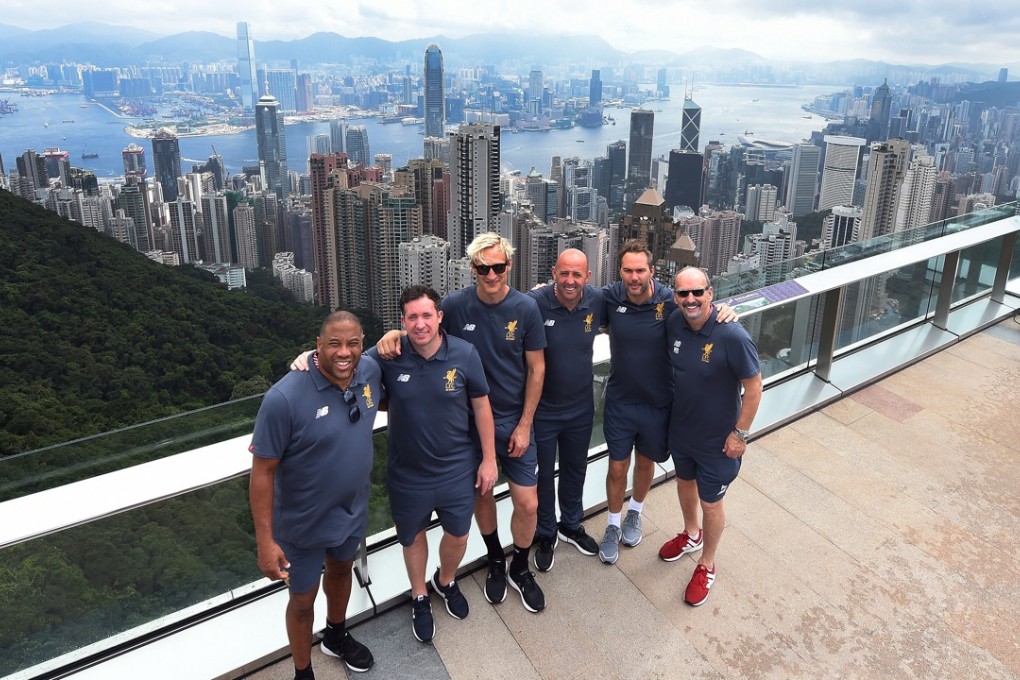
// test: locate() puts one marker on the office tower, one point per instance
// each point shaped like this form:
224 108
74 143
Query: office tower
337 134
305 94
690 129
839 170
423 261
660 83
272 145
134 161
32 169
166 162
430 182
595 89
543 194
216 229
535 90
437 148
281 84
881 110
639 163
247 236
246 67
358 150
1003 74
616 154
683 188
650 220
886 168
802 179
761 202
58 164
917 192
841 226
435 92
320 144
475 199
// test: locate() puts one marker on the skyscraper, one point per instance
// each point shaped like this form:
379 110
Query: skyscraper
475 199
639 164
684 184
839 171
435 92
358 150
166 161
134 160
881 110
690 128
802 179
282 84
272 145
246 67
535 91
886 169
595 88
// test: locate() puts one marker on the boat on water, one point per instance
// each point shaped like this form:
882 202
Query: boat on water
88 155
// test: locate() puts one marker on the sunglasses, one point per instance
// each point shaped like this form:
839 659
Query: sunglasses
483 269
354 413
696 292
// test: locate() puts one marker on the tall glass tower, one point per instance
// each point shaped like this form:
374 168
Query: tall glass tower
639 164
246 66
272 145
435 92
690 128
166 161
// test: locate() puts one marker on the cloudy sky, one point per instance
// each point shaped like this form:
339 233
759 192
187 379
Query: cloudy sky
902 31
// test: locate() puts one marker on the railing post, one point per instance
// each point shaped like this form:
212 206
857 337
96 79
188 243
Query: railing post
829 332
1002 271
949 266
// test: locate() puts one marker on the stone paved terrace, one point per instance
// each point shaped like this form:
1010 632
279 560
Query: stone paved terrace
875 538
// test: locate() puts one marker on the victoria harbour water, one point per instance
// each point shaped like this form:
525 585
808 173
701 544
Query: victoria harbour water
78 126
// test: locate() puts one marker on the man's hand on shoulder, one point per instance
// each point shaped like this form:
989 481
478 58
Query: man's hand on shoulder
725 313
302 361
388 346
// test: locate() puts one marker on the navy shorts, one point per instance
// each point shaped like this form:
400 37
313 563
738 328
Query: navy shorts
412 508
714 472
640 426
523 470
306 563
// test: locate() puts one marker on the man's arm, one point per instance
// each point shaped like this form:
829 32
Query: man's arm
735 446
271 560
521 436
724 313
487 436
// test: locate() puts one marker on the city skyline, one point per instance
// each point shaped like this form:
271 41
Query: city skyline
934 33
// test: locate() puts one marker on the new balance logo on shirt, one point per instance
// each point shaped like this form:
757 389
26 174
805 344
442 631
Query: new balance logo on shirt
322 412
550 322
403 377
469 327
621 309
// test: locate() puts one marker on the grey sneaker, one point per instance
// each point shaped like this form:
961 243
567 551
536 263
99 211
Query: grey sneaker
609 548
632 529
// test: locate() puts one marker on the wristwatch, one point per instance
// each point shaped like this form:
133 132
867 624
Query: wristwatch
743 434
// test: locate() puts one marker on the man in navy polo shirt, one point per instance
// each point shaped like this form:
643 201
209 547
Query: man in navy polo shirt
709 423
310 483
572 311
505 326
433 388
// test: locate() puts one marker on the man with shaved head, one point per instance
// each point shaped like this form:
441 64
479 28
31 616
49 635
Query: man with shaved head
572 312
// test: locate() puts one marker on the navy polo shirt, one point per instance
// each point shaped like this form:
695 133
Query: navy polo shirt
321 487
501 333
429 410
640 370
708 366
568 354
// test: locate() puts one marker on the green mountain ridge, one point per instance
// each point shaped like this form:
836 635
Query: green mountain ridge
94 336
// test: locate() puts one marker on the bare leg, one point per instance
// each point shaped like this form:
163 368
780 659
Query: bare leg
715 522
299 616
616 484
451 552
687 490
416 556
525 515
644 471
485 513
336 584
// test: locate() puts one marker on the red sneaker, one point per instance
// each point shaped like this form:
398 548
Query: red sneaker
676 548
701 583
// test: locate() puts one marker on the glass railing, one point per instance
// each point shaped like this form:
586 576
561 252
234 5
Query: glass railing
151 567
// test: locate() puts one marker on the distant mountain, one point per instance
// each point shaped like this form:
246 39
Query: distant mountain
991 93
193 46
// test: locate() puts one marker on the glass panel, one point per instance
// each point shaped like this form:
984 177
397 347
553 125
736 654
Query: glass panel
976 273
54 466
786 336
601 370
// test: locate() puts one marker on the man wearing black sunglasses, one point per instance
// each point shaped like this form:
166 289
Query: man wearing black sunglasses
710 421
310 484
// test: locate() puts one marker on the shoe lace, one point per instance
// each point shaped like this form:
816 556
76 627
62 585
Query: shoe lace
701 576
421 606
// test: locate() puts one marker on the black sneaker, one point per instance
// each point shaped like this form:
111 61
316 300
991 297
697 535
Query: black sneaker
531 595
495 582
456 603
545 555
355 655
585 544
422 624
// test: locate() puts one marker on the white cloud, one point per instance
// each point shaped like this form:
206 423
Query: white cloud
910 31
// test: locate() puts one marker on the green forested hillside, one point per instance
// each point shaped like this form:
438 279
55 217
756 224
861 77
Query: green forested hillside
94 336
